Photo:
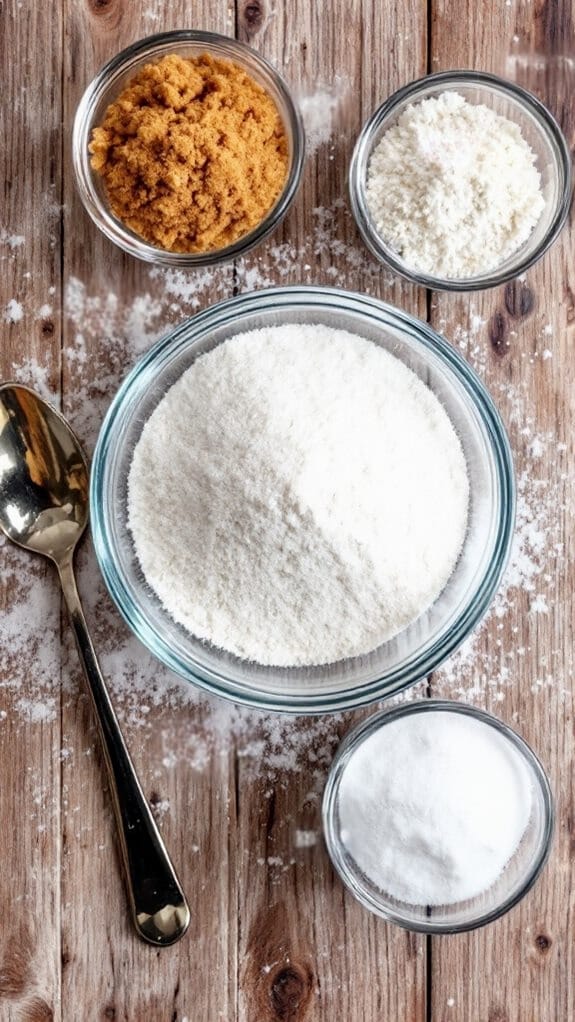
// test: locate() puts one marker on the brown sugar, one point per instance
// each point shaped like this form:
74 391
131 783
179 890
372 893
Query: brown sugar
193 153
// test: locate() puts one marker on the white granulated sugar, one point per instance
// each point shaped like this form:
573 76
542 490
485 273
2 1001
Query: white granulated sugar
444 829
299 496
453 187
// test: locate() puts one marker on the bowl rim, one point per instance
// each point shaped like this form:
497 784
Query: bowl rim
416 667
352 741
110 225
384 253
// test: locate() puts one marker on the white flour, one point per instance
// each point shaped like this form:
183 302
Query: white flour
453 187
298 497
444 829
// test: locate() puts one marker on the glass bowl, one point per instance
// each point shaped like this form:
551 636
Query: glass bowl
538 127
425 643
105 88
513 883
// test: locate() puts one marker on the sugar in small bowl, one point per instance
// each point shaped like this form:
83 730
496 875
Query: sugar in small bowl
460 181
187 148
437 816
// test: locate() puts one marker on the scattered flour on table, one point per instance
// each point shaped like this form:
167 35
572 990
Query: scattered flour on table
319 111
13 312
11 241
305 838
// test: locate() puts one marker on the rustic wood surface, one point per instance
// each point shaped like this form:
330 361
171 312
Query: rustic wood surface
274 938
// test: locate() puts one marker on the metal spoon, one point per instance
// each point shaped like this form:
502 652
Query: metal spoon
44 508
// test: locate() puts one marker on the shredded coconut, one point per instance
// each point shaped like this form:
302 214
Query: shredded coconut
432 807
453 187
298 496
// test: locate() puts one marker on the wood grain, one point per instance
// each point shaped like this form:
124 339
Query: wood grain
525 960
29 666
195 979
274 937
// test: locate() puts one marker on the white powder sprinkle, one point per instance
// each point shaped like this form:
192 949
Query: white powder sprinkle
319 110
37 711
12 241
13 312
305 838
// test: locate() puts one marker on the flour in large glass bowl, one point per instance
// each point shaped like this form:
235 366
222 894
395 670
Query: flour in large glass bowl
298 496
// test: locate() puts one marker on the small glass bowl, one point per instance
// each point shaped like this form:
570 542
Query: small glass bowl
428 640
538 127
105 88
514 882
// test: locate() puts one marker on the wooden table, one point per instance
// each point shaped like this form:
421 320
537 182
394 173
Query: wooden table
274 937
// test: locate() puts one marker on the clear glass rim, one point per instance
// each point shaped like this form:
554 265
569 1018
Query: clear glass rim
329 809
412 91
110 226
419 665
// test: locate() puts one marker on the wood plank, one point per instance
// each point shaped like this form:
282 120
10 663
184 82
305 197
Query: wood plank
274 936
29 594
521 339
307 950
115 306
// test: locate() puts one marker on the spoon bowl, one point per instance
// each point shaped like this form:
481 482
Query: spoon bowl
43 475
44 509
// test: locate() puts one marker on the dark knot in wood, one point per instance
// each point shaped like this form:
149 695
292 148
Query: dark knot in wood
498 333
36 1009
47 327
543 943
101 6
16 963
253 15
290 993
519 299
497 1014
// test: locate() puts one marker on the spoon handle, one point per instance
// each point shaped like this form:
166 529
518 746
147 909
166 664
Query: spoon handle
158 905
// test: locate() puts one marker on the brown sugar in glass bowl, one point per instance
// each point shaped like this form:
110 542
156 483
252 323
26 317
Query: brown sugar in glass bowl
187 148
193 153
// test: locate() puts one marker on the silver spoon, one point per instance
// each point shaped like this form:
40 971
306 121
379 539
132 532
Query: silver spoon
44 508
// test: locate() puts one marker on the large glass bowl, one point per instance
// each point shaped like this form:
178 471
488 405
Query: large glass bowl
516 879
538 127
106 87
425 643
